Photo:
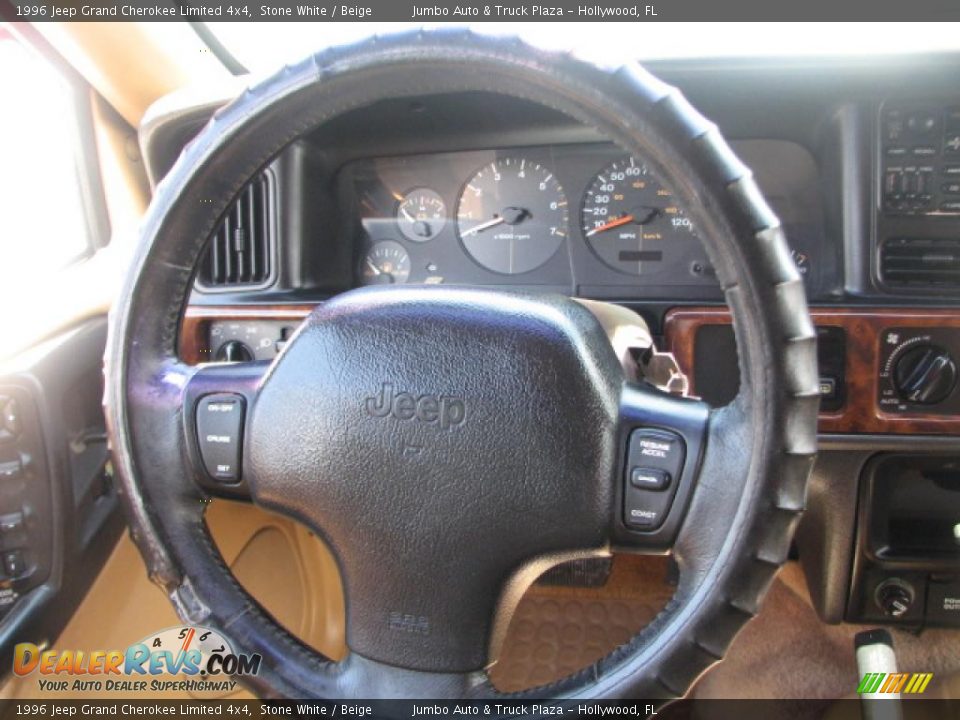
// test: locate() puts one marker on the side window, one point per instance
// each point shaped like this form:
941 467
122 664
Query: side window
43 220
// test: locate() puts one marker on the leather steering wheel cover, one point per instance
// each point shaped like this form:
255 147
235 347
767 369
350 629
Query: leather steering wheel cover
759 450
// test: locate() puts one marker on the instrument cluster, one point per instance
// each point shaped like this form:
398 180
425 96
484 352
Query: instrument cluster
583 219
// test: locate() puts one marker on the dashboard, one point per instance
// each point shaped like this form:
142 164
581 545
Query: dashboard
580 219
860 159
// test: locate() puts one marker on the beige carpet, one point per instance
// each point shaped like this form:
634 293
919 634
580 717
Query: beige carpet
787 652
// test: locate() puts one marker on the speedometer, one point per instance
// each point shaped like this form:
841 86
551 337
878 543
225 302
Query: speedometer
631 221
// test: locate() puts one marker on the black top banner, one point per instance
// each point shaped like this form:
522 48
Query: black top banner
470 11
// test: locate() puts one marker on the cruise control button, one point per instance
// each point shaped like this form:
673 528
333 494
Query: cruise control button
644 517
658 448
219 432
649 478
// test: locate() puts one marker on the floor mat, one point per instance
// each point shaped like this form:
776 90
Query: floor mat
558 630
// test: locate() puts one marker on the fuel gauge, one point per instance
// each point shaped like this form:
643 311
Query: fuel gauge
421 214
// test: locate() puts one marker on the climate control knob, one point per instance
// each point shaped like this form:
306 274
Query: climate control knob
925 374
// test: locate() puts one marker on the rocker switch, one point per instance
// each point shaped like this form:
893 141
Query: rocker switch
654 463
219 434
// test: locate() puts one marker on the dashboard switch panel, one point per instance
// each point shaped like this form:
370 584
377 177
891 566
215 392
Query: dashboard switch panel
25 498
919 147
654 459
248 340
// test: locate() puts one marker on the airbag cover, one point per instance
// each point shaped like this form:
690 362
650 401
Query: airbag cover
439 438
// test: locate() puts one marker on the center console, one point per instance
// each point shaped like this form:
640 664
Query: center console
907 560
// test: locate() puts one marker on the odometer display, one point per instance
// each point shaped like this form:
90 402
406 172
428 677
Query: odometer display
631 221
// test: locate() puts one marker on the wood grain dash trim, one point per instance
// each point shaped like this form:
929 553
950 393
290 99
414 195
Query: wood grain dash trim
863 328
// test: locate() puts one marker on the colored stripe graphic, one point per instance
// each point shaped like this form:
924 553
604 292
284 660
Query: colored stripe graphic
921 685
913 684
866 683
901 681
891 683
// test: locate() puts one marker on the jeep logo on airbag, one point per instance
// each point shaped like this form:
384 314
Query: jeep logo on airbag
447 410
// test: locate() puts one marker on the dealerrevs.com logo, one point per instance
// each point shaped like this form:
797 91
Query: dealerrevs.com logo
193 659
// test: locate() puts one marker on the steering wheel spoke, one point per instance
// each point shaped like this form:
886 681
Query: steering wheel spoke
663 439
217 401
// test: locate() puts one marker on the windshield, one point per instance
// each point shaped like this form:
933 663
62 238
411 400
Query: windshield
262 46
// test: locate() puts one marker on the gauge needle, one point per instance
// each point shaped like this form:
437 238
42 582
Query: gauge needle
483 226
407 215
376 270
611 224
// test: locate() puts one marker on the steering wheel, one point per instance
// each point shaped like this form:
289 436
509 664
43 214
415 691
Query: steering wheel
525 425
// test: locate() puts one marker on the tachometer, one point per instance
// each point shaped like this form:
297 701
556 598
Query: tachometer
630 220
512 216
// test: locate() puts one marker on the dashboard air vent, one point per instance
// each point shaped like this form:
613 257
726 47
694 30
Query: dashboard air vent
241 249
921 262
